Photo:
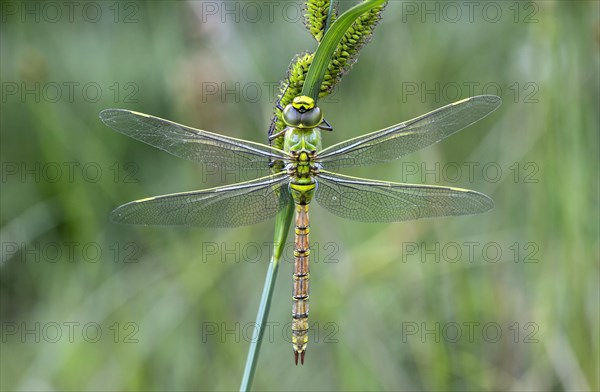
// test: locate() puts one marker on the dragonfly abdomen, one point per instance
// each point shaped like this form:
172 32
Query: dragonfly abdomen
301 278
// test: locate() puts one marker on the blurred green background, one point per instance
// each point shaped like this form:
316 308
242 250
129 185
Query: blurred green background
507 300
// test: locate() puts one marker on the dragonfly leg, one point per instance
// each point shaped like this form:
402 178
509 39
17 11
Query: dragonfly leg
272 126
325 126
278 104
274 120
275 136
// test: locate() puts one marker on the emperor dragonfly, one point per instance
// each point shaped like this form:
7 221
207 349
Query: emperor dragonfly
301 172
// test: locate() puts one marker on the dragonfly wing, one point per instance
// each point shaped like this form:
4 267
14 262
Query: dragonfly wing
379 201
189 143
401 139
240 204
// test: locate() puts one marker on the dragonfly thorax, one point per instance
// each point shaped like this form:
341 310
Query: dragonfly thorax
298 139
302 143
302 170
302 165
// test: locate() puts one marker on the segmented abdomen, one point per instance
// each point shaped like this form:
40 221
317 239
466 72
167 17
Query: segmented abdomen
301 279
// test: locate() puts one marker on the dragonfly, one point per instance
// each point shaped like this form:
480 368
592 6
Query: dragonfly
305 172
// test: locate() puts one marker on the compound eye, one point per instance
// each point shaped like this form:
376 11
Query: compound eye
291 116
312 118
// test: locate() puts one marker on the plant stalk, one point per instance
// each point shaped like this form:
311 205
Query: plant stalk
282 225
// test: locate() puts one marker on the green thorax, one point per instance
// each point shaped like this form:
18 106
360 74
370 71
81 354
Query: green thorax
302 141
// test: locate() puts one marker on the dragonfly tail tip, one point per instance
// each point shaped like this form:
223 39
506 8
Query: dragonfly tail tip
301 357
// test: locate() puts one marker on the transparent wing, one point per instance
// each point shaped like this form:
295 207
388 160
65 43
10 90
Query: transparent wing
189 143
240 204
378 201
400 139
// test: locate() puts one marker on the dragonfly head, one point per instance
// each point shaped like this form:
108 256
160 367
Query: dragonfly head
302 113
302 103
